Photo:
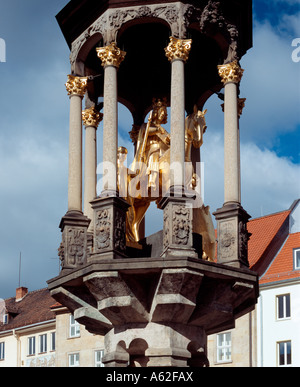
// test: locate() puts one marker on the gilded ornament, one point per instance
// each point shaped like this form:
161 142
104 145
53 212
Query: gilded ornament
111 55
76 85
178 49
230 72
91 117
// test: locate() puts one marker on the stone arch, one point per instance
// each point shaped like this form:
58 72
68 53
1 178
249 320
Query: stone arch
198 355
81 52
136 350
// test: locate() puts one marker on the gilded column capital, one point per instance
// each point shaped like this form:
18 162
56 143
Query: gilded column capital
76 85
178 49
91 117
111 55
230 72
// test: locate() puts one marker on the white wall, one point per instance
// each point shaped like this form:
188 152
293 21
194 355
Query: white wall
295 219
271 331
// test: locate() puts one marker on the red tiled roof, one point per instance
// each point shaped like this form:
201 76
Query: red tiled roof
263 230
33 308
282 267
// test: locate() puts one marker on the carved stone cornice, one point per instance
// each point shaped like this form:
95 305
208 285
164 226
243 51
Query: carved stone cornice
76 85
178 49
111 55
230 72
91 117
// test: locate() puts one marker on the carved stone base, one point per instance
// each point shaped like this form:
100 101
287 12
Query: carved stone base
233 236
178 225
156 345
73 249
109 227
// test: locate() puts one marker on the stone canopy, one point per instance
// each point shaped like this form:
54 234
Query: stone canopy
220 31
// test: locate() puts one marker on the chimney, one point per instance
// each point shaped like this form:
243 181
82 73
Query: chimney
21 293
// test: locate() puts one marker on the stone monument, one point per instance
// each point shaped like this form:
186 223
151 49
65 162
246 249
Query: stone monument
155 298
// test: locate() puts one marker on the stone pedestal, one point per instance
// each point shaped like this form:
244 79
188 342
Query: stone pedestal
156 311
232 235
178 224
109 227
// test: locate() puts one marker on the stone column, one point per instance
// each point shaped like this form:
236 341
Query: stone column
91 119
76 88
177 53
232 218
109 209
111 57
74 225
231 75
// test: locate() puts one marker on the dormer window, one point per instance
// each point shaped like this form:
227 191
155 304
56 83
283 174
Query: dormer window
5 319
297 259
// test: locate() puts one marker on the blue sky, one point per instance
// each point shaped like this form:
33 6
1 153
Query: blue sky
34 121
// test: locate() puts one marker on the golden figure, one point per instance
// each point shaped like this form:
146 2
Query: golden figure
149 175
153 140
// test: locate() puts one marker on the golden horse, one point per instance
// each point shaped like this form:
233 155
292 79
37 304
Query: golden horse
141 194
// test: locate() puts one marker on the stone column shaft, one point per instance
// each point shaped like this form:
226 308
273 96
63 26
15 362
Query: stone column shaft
231 146
76 88
111 57
110 126
177 52
231 75
91 119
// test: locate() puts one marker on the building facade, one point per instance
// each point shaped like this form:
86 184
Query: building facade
75 346
35 331
270 335
28 330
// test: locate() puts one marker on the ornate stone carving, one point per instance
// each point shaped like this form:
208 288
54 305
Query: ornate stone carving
212 15
244 237
166 230
91 117
230 72
76 85
111 55
241 105
227 240
120 232
103 228
76 246
72 251
178 49
181 225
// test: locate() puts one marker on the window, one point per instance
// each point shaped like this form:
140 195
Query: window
74 327
284 353
52 336
283 306
224 347
2 351
43 343
5 319
98 358
74 360
297 259
31 346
